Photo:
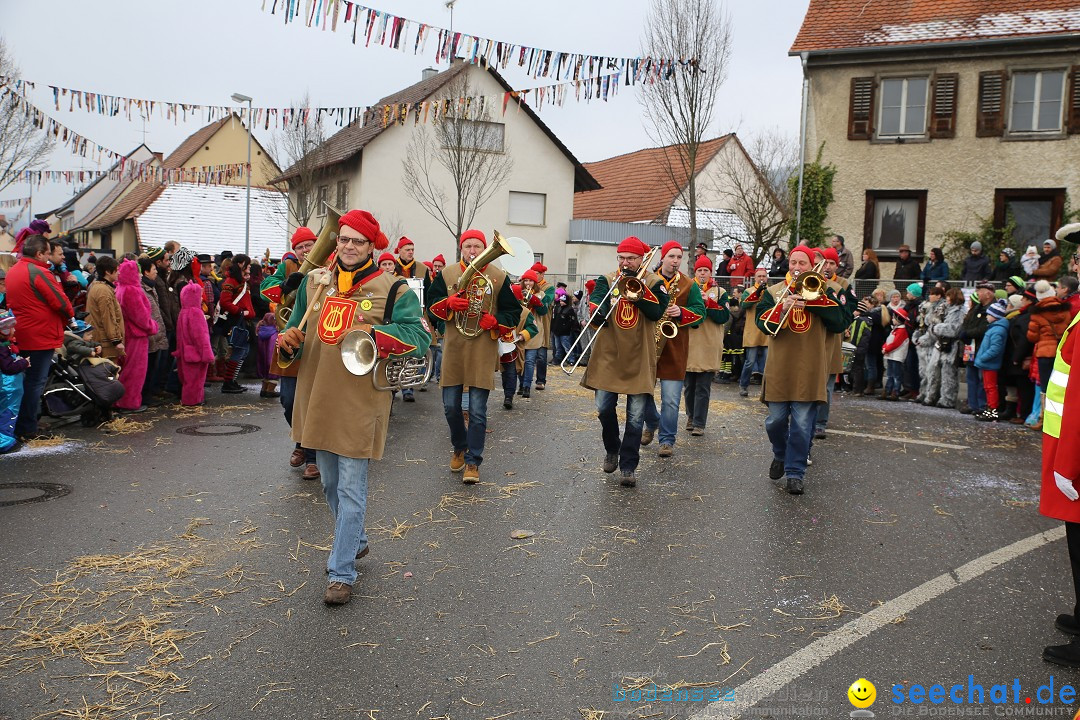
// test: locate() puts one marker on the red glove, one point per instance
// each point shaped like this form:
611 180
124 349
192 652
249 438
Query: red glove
457 303
712 304
488 321
536 301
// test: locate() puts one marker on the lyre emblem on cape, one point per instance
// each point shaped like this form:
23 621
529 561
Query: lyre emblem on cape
626 315
799 320
336 319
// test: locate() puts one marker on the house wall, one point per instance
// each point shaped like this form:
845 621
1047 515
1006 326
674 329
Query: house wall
715 190
94 195
959 174
228 146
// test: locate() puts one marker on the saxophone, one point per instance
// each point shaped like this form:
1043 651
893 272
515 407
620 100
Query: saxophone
666 329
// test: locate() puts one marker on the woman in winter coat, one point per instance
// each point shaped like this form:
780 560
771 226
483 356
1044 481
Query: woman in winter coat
1049 319
139 327
238 310
193 351
870 269
935 269
104 310
779 267
942 383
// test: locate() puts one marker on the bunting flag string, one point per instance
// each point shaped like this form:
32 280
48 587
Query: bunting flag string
143 172
369 26
15 202
15 93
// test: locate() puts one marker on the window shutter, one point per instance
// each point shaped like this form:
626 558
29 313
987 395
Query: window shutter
861 110
943 106
1074 100
991 117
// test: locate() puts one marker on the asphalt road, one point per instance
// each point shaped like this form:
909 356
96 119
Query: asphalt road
182 576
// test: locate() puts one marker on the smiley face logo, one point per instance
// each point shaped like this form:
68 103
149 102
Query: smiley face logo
862 693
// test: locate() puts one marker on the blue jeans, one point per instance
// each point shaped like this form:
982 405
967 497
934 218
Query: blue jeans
238 344
894 376
34 380
436 359
470 440
667 420
541 366
344 482
976 396
753 362
629 448
531 357
790 426
562 346
509 379
288 397
821 412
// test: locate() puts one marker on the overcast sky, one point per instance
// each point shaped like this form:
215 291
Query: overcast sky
202 51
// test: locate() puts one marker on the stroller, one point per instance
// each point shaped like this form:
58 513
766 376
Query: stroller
84 390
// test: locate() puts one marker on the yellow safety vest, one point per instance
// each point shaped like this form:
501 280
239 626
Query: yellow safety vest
1055 391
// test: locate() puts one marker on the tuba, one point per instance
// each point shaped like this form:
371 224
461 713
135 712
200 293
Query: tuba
480 300
316 257
361 357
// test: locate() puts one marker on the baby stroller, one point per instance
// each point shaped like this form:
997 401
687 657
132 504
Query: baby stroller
84 390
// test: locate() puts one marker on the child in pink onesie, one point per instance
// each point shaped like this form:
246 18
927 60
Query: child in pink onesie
193 350
139 327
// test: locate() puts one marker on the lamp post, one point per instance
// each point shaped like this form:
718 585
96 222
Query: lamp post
241 98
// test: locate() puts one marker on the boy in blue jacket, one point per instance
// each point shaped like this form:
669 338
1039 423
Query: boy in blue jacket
990 356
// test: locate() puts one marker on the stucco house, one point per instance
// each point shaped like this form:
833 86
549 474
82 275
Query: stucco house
361 166
940 113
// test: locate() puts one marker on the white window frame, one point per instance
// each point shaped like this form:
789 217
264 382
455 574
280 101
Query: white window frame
509 204
903 107
1063 102
571 266
342 202
499 143
322 193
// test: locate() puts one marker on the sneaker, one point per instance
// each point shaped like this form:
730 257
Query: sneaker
647 436
776 469
697 432
611 463
337 593
1067 655
457 461
988 415
508 403
666 450
795 485
743 392
311 472
472 474
628 479
297 458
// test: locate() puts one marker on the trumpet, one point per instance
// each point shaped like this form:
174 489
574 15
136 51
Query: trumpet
361 357
809 286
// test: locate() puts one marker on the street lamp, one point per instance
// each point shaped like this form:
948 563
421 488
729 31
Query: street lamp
241 98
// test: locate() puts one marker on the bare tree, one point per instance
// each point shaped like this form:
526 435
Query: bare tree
755 181
22 145
679 109
297 148
455 165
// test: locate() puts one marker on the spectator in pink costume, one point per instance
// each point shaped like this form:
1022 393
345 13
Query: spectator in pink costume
193 350
139 327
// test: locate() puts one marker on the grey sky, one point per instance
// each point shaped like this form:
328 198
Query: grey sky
202 51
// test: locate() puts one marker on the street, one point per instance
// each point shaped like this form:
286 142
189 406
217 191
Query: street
182 576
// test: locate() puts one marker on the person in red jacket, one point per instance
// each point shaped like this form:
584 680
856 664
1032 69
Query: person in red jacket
42 311
238 310
740 266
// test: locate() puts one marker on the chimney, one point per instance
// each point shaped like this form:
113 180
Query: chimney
428 73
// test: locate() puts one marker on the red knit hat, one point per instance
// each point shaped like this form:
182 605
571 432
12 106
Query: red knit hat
429 265
590 286
669 246
439 258
364 223
473 235
530 275
387 256
632 245
403 242
831 254
539 268
302 235
703 262
803 249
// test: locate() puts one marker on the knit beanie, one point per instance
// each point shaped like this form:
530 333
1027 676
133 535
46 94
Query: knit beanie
915 289
998 309
1044 290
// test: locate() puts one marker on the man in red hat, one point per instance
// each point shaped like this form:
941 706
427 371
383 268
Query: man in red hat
795 366
437 264
834 342
476 316
342 416
538 301
703 358
285 280
623 357
685 309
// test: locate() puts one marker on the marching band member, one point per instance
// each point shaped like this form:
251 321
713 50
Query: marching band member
623 357
686 309
543 324
437 264
513 361
286 279
470 360
795 366
341 416
534 303
406 266
834 342
706 347
755 342
388 263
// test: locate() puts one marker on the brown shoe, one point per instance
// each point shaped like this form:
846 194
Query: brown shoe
311 472
647 436
689 425
457 461
666 450
472 475
697 432
364 552
297 458
337 593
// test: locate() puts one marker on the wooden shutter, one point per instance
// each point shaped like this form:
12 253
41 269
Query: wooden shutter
943 106
861 110
1073 114
991 116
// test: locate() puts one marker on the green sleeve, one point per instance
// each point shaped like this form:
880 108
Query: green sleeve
273 281
405 323
764 305
436 292
298 311
722 314
507 308
546 302
654 310
530 326
695 303
834 317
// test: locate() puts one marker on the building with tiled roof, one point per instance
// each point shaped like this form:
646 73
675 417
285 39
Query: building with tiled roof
939 114
361 166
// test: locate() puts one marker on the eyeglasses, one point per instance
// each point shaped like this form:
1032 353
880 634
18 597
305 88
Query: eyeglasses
358 242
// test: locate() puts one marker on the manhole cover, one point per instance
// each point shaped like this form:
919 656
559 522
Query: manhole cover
24 493
215 429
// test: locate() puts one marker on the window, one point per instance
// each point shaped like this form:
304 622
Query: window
903 107
894 218
1037 101
343 195
527 208
321 197
473 135
1036 212
571 266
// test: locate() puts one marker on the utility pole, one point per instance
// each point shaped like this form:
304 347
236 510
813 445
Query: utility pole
450 6
241 98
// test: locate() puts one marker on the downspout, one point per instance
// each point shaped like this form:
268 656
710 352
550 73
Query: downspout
802 143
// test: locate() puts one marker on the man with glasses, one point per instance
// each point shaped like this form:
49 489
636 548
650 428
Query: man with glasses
343 417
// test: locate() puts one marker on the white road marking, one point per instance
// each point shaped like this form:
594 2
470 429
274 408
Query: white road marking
899 439
799 663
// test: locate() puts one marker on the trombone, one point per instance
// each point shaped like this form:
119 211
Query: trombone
809 286
623 287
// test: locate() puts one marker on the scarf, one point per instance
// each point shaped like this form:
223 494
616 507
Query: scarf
345 278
